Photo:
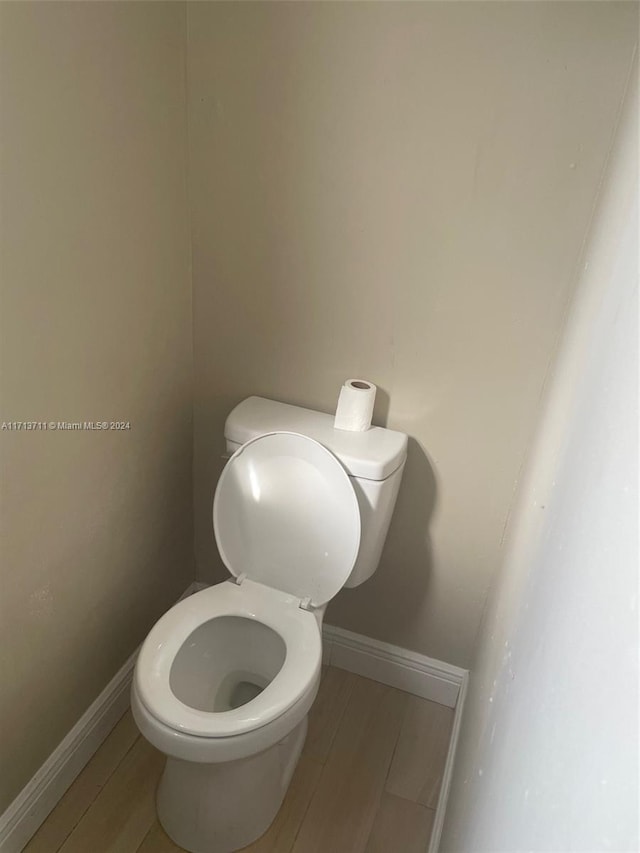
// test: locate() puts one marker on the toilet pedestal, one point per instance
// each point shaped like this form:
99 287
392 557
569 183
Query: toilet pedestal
220 808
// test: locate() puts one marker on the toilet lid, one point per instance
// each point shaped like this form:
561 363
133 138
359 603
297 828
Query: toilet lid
285 514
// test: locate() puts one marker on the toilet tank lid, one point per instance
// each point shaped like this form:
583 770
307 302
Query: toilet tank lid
373 455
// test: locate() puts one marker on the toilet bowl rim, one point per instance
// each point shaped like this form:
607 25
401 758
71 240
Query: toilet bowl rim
216 750
279 611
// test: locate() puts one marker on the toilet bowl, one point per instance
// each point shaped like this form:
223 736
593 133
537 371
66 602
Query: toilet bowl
227 672
225 679
223 687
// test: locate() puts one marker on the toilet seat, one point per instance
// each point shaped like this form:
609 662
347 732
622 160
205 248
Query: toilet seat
285 514
277 610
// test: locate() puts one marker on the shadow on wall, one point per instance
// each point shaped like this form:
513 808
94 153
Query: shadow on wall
390 602
381 408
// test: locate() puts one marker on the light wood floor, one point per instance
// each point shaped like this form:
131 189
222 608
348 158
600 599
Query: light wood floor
367 782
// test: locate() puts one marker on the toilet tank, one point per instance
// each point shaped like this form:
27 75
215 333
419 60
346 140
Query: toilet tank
374 461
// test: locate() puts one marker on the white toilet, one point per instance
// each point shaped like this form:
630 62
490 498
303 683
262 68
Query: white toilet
225 679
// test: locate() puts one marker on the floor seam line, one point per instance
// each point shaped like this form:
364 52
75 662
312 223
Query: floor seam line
102 787
395 748
146 835
344 711
306 811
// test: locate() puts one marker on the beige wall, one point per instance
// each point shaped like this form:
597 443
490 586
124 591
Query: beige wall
400 192
96 325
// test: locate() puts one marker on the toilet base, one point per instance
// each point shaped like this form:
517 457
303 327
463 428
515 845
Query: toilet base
220 808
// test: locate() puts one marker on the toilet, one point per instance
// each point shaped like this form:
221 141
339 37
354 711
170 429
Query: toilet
225 679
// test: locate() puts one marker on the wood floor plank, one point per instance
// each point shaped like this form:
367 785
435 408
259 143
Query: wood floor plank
419 760
123 812
66 815
344 805
400 825
157 841
281 835
326 712
367 782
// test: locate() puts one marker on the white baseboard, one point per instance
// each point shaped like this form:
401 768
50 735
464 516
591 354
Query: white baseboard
415 673
392 665
32 805
447 776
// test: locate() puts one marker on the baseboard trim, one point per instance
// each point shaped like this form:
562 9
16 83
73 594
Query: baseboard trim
36 800
438 821
392 665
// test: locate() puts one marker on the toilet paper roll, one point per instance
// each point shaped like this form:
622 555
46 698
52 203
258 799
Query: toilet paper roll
355 405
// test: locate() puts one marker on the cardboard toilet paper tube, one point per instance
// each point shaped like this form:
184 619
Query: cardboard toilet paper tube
355 405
